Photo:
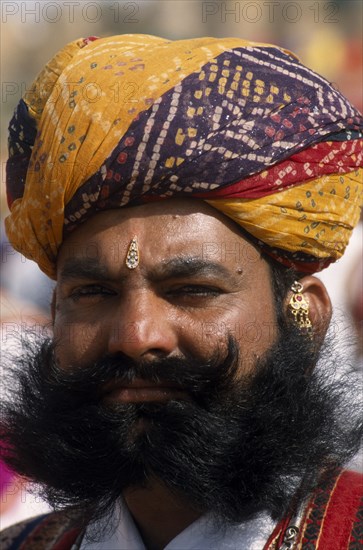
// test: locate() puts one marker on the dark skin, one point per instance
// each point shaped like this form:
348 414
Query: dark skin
197 281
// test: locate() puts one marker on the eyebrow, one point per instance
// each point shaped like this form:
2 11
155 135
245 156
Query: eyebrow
188 266
83 268
178 267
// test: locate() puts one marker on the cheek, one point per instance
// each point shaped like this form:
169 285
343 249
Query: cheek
78 343
252 323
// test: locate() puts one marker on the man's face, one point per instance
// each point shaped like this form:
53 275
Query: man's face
197 282
174 371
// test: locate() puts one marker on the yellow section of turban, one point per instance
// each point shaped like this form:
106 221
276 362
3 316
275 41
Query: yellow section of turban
315 217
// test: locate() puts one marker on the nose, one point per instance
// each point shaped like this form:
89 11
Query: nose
142 328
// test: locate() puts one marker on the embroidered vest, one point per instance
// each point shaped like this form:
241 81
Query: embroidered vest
332 520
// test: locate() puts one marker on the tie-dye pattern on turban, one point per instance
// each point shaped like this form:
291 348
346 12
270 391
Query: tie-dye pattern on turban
128 119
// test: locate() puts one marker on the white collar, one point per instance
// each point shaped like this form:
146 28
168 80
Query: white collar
200 535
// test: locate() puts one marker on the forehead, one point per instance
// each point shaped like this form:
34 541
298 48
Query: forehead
164 229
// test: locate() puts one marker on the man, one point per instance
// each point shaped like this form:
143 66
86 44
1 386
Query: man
182 194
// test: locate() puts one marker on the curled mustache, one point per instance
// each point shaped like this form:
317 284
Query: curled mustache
84 383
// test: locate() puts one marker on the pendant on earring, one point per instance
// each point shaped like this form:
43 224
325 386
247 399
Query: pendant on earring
299 307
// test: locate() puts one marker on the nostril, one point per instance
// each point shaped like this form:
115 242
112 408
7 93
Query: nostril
154 354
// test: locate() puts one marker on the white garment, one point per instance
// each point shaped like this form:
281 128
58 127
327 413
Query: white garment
26 505
200 535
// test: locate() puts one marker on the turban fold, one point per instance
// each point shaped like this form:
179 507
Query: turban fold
128 119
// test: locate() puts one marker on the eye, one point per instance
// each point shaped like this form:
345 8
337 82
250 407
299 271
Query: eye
90 292
196 291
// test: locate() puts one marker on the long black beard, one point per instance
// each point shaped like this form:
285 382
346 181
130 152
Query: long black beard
241 445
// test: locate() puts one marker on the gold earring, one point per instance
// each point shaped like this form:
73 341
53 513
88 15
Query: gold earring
133 256
299 307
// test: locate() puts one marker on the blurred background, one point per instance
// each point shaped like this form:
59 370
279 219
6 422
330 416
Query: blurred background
326 35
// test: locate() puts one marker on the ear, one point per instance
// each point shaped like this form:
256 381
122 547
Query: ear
320 308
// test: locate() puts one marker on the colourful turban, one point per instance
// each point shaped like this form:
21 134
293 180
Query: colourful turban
128 119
